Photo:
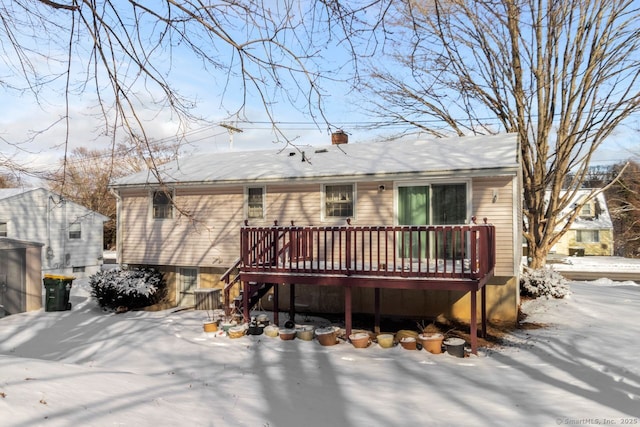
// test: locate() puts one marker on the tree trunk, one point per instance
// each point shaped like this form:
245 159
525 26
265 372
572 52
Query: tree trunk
537 256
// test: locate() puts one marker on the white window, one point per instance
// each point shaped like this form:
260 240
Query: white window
3 229
162 205
588 236
255 203
339 201
75 230
586 211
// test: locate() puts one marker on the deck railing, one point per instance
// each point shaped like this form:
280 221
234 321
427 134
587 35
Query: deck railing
438 251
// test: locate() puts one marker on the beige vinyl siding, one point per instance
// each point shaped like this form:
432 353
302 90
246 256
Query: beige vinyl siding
204 229
202 232
302 204
500 214
295 202
374 207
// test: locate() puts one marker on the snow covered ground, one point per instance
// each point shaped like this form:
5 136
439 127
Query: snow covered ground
85 367
598 264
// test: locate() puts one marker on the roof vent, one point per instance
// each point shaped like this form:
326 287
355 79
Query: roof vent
339 137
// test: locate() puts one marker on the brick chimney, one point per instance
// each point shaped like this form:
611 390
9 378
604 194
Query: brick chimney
339 137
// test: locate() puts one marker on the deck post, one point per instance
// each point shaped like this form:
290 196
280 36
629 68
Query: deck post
276 308
483 308
376 304
347 310
245 300
473 332
292 302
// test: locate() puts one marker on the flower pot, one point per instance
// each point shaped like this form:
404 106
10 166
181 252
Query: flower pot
236 331
271 331
360 339
287 334
227 325
326 336
404 333
255 329
210 326
385 340
432 342
455 346
263 318
305 333
408 343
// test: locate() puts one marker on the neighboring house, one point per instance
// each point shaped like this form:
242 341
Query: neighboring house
72 235
592 231
190 226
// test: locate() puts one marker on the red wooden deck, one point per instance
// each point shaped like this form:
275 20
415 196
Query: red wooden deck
448 257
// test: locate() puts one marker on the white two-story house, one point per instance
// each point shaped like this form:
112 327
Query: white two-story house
72 235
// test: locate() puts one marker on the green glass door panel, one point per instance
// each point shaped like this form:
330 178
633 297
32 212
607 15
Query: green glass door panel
413 209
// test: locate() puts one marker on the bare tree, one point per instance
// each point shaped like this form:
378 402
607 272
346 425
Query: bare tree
9 181
561 74
125 55
623 200
84 175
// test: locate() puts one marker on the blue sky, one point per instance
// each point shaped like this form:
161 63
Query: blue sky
21 117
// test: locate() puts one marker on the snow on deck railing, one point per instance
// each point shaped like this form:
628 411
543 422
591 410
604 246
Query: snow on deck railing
448 251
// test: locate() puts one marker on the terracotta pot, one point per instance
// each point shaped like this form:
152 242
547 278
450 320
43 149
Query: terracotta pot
326 336
432 342
287 334
360 339
403 333
408 343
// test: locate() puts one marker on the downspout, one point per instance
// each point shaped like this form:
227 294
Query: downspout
116 194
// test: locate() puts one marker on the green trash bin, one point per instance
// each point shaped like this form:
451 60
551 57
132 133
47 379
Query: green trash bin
57 291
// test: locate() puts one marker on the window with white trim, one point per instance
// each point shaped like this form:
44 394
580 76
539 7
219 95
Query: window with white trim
586 211
162 205
339 200
75 230
3 229
255 203
588 236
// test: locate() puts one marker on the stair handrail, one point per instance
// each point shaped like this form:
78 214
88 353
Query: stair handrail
226 276
229 283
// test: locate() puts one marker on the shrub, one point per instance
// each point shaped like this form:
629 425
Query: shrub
543 282
135 288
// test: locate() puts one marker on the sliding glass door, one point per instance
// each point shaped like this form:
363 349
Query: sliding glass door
436 204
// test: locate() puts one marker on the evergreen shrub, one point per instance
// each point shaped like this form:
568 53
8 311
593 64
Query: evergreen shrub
543 282
132 289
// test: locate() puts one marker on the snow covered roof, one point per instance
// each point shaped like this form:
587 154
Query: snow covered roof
497 153
5 193
8 243
599 221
